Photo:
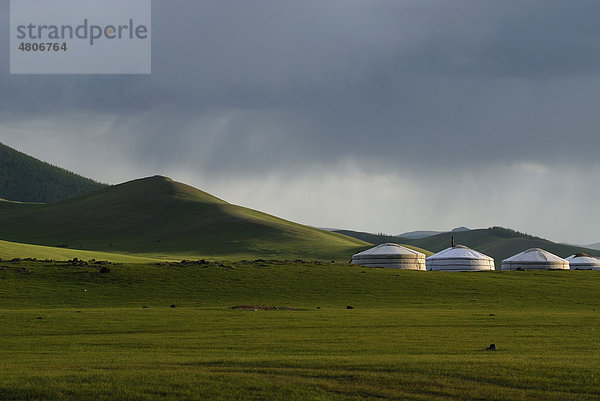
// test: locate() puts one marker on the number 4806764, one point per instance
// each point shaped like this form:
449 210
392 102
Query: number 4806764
42 47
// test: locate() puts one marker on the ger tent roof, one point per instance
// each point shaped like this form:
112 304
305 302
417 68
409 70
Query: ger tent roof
583 262
459 258
535 259
392 256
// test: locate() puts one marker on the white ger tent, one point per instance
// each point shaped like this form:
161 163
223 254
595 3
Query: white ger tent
392 256
583 262
459 259
535 259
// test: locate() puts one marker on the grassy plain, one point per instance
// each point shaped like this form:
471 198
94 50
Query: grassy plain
12 250
73 333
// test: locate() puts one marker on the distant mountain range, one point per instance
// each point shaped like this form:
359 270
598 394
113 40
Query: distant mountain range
594 246
424 234
26 179
497 242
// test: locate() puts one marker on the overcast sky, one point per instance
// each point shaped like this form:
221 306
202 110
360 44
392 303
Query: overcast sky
372 115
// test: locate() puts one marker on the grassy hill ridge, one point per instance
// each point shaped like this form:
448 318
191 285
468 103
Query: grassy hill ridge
27 179
157 215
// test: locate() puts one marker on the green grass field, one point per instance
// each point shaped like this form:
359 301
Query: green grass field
12 250
73 333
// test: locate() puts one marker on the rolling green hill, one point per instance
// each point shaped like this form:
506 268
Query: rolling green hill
26 179
157 216
499 243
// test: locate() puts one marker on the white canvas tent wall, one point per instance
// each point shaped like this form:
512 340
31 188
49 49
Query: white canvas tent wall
583 262
535 259
459 259
391 256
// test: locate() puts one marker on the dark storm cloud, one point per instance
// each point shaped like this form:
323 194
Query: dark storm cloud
316 81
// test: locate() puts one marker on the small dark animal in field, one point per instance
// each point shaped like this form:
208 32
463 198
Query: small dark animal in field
104 269
492 347
39 318
349 307
144 307
173 306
